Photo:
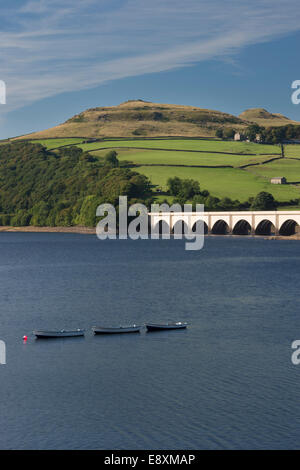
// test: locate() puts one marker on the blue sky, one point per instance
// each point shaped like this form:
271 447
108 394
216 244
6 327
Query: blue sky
59 57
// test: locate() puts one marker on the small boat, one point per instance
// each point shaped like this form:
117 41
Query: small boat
102 330
166 326
58 333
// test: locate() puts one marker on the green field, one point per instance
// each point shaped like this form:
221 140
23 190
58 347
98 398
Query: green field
55 143
221 182
289 168
187 144
292 151
157 159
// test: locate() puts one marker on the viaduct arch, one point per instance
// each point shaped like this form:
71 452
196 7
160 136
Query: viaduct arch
238 223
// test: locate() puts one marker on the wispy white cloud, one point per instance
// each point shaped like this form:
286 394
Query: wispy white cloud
51 47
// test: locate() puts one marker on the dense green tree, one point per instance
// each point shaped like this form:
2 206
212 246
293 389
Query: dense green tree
64 218
252 131
228 133
40 212
5 219
140 186
263 201
219 133
184 189
198 199
290 132
276 135
41 187
87 215
211 203
111 159
174 185
189 188
21 218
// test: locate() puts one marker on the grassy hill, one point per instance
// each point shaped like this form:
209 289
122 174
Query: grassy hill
238 170
138 118
62 181
264 118
156 141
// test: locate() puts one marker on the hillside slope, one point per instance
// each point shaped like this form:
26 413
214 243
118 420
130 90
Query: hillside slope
138 118
264 118
141 118
40 187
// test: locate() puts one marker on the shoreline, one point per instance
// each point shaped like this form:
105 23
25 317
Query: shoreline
92 231
35 229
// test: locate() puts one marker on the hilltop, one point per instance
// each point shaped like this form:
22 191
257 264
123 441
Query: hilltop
138 118
141 118
264 118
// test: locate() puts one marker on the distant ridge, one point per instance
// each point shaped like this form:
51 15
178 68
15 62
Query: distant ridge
139 118
263 117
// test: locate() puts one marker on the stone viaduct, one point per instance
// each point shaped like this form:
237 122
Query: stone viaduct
239 223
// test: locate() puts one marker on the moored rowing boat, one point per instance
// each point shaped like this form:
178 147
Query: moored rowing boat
58 333
112 330
166 326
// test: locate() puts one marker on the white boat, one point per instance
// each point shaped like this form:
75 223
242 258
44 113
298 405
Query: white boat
58 333
119 329
166 326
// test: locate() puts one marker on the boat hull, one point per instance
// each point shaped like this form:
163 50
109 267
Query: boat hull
111 331
158 327
58 334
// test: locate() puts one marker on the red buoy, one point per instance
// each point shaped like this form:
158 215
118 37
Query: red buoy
25 338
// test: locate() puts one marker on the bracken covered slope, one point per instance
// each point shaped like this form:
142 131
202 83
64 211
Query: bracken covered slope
140 118
264 118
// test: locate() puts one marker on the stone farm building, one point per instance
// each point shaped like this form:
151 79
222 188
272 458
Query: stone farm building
278 180
239 136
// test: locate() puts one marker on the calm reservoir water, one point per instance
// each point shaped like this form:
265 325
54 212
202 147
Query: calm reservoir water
225 382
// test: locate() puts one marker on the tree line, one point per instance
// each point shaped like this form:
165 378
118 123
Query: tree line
188 190
269 135
63 187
